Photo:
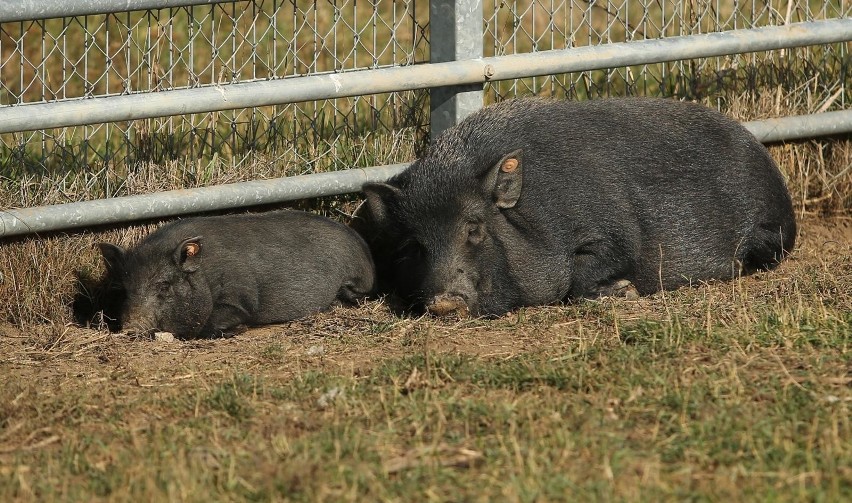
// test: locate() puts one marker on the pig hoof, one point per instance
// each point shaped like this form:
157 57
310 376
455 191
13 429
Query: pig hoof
625 289
446 305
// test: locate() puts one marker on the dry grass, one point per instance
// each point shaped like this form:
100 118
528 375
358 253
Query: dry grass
735 390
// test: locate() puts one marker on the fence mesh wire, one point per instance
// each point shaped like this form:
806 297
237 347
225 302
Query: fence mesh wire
173 48
810 79
219 44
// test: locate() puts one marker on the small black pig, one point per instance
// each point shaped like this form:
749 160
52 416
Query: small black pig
206 276
532 201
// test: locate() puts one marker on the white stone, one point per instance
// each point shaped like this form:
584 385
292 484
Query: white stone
164 337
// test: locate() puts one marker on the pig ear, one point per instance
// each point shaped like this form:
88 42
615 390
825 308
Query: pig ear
379 196
113 256
504 180
188 254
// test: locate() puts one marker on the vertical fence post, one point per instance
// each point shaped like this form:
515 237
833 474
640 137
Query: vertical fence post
456 34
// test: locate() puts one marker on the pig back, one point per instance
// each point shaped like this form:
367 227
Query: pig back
279 265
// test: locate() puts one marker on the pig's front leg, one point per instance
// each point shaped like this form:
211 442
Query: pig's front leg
226 320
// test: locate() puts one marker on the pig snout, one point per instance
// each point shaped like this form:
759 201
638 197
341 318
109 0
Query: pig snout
139 326
448 305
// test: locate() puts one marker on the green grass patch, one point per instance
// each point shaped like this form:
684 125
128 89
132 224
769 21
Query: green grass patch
665 410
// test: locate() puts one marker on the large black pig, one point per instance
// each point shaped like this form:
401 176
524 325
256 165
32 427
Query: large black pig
532 201
207 276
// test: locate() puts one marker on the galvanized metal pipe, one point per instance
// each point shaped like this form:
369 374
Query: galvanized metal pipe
315 87
26 10
83 214
801 126
16 222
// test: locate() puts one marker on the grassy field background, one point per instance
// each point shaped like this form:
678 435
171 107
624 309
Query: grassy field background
737 391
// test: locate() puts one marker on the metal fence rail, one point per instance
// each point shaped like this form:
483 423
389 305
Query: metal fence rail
455 73
229 196
289 83
29 10
185 201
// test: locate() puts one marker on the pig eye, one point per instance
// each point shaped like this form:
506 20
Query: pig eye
475 232
410 249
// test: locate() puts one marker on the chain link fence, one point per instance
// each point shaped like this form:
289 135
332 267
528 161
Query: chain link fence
186 47
810 79
216 44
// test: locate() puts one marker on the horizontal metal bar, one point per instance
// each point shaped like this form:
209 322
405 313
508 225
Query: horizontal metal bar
315 87
26 10
801 126
83 214
16 222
